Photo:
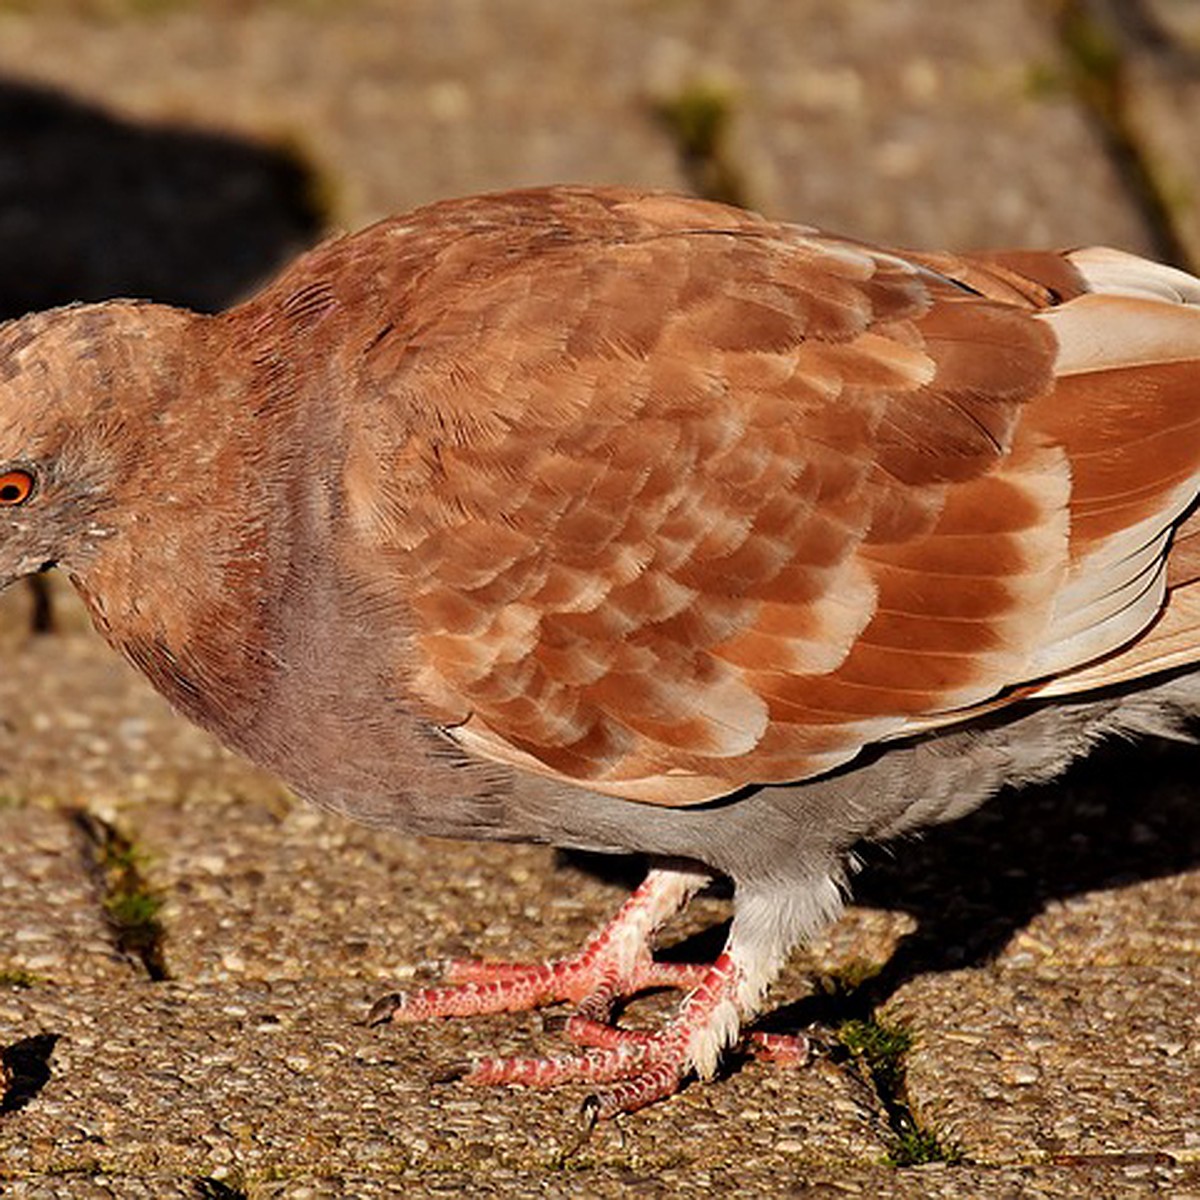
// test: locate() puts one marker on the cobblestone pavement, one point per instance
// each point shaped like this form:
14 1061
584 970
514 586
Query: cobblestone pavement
1034 966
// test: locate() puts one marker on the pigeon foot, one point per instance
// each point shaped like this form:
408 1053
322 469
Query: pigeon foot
613 966
639 1067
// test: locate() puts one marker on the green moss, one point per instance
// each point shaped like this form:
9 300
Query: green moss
698 119
136 915
132 908
131 905
16 977
880 1047
915 1147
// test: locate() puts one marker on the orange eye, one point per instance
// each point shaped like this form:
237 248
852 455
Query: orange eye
15 488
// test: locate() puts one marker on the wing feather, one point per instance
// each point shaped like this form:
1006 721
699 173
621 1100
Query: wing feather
682 500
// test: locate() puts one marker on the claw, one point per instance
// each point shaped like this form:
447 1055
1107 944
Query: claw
384 1009
589 1114
451 1074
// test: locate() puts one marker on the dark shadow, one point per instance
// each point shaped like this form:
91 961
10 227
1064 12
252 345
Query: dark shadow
1140 27
93 207
1124 815
622 870
207 1188
28 1066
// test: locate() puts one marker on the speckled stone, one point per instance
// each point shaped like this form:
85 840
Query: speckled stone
916 122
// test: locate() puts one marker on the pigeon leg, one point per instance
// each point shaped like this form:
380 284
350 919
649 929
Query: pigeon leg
633 1067
639 1067
636 1068
615 963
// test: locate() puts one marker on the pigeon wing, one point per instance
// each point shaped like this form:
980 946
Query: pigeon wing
683 501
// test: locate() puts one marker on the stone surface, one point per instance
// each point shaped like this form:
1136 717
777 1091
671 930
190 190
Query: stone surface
920 123
1045 951
1078 1063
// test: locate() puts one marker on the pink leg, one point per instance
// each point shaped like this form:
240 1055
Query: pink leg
641 1067
783 1049
636 1067
613 964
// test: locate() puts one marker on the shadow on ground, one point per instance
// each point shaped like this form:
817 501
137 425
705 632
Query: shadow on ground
27 1065
93 207
1125 815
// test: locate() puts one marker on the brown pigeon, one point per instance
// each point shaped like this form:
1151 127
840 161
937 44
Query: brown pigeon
634 523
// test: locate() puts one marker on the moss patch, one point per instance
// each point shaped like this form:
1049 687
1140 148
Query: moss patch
879 1047
698 119
131 905
15 977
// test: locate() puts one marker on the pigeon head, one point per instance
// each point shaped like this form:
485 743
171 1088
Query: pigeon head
81 397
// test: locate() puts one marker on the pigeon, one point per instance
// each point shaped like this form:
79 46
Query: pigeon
639 524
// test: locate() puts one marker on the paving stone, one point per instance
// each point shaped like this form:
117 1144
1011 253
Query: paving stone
52 925
1084 1063
277 1080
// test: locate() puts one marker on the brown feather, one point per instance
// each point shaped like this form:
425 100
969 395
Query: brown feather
785 454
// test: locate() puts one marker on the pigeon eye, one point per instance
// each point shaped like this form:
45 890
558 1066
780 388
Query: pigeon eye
16 487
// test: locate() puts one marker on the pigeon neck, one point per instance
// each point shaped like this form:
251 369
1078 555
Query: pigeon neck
185 576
